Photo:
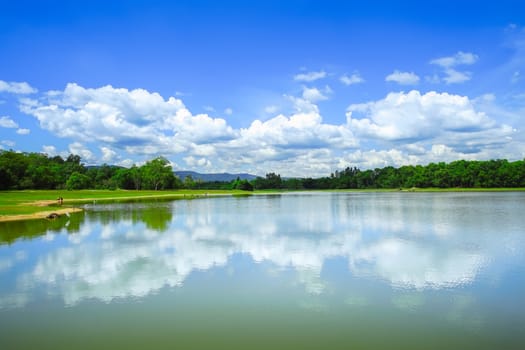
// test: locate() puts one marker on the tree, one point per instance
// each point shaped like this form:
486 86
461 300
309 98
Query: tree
189 183
157 174
243 185
78 181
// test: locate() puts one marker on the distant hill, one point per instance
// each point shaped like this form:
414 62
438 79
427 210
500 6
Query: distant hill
213 177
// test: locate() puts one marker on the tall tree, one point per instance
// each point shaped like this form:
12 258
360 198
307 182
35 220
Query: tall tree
158 174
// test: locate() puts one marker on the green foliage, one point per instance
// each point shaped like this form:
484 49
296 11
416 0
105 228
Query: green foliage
271 181
243 185
189 183
78 181
461 173
38 171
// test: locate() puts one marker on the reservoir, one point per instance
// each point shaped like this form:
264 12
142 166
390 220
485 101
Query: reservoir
305 270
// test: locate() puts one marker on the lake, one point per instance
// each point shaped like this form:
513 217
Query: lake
295 270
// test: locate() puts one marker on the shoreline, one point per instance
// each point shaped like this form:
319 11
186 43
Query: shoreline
70 202
66 210
40 214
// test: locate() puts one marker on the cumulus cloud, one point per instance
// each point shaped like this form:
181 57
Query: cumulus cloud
197 162
316 95
142 123
310 76
352 79
22 88
82 151
304 129
403 78
415 128
49 150
138 121
429 117
122 126
452 75
371 159
6 122
108 155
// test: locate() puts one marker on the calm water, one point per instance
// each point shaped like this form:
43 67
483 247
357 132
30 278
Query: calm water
308 271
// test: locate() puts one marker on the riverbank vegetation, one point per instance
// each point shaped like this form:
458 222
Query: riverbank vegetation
23 171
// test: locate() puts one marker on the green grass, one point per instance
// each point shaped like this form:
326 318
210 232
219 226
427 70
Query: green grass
24 202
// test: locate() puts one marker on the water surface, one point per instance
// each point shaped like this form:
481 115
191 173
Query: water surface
298 270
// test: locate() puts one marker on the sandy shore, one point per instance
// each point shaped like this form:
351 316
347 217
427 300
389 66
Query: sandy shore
39 215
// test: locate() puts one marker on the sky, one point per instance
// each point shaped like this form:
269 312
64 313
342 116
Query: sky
300 88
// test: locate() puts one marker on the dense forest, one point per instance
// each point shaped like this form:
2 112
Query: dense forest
20 171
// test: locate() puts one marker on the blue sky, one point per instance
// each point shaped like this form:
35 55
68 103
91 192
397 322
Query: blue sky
295 87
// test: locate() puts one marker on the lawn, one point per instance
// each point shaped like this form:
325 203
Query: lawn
30 202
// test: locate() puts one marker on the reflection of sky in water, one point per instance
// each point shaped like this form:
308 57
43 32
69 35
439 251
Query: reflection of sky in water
415 242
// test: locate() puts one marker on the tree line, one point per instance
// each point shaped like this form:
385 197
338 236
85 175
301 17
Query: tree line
20 171
460 173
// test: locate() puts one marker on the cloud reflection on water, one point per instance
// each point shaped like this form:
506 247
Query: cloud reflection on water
115 255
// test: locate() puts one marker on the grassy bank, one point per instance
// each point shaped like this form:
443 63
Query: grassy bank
24 204
20 205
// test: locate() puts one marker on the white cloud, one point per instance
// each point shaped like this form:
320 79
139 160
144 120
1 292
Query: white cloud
430 118
403 78
294 145
315 95
413 154
350 80
126 124
371 159
17 88
8 143
302 130
6 122
49 150
310 76
108 155
197 162
23 131
460 58
228 111
137 121
127 163
452 75
79 149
